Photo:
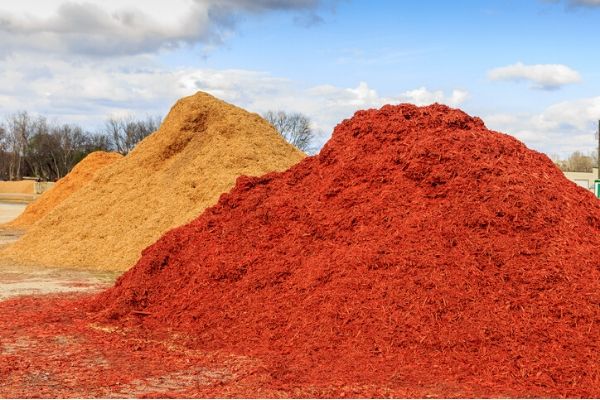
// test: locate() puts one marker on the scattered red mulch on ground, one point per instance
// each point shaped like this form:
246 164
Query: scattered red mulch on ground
50 349
417 250
419 254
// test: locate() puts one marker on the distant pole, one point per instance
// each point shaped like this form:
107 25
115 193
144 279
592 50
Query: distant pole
598 151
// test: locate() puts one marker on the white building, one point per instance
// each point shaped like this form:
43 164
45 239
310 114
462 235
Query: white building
583 179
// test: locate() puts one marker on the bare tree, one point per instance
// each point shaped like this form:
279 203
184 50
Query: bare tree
19 127
294 127
38 147
70 147
4 153
98 142
577 162
127 132
53 150
32 146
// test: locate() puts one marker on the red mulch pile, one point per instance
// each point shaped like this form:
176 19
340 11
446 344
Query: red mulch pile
418 250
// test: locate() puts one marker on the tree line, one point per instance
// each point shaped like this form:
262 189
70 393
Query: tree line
33 146
577 162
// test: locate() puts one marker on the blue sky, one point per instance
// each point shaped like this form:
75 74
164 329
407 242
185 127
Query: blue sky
527 67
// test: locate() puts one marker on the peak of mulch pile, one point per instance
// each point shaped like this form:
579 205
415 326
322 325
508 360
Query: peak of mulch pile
417 250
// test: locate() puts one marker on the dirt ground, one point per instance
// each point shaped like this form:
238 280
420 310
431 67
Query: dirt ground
28 280
10 211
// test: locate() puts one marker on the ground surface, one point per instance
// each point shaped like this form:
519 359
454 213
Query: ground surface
30 280
9 211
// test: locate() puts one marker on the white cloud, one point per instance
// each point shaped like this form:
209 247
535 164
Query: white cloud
577 3
116 28
88 92
422 96
559 129
541 76
82 60
585 2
